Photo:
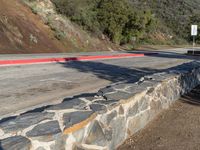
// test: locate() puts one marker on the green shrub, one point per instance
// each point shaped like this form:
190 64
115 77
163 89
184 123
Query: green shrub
115 18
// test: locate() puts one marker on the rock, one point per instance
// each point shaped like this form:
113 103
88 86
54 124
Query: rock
105 119
138 122
78 147
45 131
96 135
161 76
133 125
110 117
156 106
121 110
76 117
87 147
133 110
40 148
15 143
135 88
90 98
25 121
108 134
60 143
98 108
79 135
108 103
149 84
143 103
69 104
104 91
118 127
121 86
119 95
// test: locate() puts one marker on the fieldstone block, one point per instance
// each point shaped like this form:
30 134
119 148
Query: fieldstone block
25 121
86 147
90 97
79 135
108 134
78 147
15 143
156 106
119 95
108 103
103 91
76 117
121 110
133 125
98 108
133 110
121 86
107 118
149 84
40 148
138 122
96 135
69 104
60 143
110 117
161 76
143 103
135 88
45 131
118 127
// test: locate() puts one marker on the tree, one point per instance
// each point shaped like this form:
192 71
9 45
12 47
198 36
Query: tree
113 16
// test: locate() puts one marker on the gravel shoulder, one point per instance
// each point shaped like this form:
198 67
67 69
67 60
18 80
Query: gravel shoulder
176 128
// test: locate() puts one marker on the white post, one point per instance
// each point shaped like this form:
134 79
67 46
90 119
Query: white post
194 32
193 45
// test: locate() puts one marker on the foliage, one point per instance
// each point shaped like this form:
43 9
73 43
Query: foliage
130 21
176 15
113 16
116 19
83 12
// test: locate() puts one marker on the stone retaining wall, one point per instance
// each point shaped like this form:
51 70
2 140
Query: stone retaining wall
102 121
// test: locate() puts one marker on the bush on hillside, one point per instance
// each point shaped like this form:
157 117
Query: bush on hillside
116 19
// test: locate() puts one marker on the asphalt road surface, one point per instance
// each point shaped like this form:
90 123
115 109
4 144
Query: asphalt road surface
27 87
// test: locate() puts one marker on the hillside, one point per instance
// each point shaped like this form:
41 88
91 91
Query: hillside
24 31
134 21
176 15
35 26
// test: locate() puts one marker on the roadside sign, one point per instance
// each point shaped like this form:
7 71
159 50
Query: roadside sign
194 30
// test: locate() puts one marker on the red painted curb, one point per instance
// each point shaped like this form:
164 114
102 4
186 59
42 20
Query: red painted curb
50 60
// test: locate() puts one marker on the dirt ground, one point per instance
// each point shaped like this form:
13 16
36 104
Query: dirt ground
177 128
21 31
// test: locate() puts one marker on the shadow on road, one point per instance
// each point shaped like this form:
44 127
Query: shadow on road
165 54
110 72
116 73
